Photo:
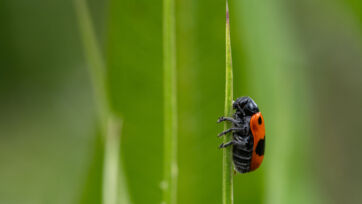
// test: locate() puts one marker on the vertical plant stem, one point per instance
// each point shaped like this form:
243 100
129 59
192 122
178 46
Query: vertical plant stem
111 162
114 185
169 184
227 183
95 62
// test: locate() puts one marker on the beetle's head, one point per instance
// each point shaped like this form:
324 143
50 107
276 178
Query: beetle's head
247 105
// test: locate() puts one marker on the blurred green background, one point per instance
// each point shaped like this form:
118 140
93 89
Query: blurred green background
300 60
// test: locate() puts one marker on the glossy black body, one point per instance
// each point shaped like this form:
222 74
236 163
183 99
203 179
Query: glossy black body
243 140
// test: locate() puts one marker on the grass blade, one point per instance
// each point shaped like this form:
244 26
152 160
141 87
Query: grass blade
114 186
169 184
114 189
95 62
227 180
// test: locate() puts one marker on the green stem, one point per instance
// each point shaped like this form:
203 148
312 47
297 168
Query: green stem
114 185
114 182
169 184
111 161
227 184
95 62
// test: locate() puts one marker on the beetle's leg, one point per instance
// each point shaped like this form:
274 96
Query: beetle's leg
243 144
221 119
229 130
226 144
240 141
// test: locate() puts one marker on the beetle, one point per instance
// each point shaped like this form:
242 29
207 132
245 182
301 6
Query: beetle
248 135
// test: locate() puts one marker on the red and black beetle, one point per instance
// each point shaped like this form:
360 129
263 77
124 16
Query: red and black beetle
248 130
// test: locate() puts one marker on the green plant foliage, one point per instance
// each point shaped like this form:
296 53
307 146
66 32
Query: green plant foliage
299 60
227 177
134 58
170 170
276 81
114 185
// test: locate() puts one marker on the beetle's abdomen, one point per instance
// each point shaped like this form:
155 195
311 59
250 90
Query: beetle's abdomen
242 154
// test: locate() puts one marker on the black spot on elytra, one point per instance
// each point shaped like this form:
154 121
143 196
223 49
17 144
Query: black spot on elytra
259 150
259 120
